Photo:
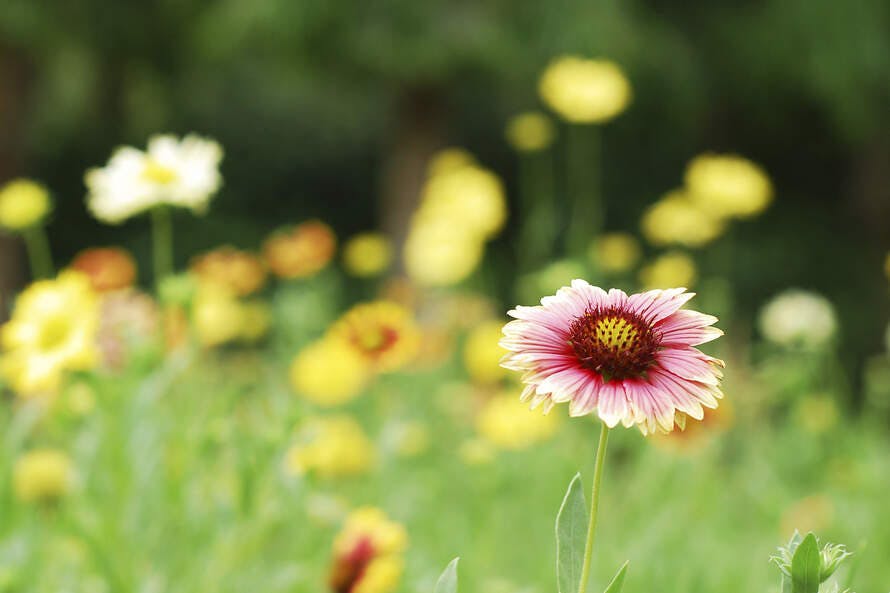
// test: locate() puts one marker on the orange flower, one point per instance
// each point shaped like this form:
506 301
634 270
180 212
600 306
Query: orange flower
300 251
241 272
108 268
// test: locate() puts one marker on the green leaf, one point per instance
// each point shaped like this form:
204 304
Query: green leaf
447 582
618 580
571 536
805 566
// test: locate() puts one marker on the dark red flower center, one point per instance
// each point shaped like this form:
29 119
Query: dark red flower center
615 343
349 568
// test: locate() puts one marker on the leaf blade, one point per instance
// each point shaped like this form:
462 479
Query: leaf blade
571 536
805 566
618 580
447 582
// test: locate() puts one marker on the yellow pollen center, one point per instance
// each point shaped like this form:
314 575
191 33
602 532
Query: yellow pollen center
158 173
53 333
616 333
371 339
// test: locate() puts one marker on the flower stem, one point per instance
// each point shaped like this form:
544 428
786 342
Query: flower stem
39 255
162 243
594 505
586 212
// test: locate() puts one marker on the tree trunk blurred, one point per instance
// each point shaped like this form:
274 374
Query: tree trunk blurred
15 82
418 132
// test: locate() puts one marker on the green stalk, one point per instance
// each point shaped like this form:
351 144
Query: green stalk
586 214
594 505
162 243
39 256
538 229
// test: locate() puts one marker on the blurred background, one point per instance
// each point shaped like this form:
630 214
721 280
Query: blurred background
331 110
349 113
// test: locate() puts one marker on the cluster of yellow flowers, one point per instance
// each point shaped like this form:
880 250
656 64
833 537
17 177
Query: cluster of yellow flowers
462 207
52 330
331 447
368 553
375 337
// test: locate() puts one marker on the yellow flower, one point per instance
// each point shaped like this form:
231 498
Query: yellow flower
441 253
615 252
676 218
329 372
448 160
331 447
42 475
368 553
301 251
217 315
23 203
241 272
256 319
52 330
530 132
728 185
482 354
507 423
669 270
367 254
471 197
584 91
382 333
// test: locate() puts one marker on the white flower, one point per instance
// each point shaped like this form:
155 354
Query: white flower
798 317
173 172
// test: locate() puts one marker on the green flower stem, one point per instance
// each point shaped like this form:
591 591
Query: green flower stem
39 255
162 243
538 230
586 214
594 505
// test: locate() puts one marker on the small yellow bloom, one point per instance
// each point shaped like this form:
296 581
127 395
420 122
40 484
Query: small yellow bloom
333 447
676 219
301 251
530 132
367 255
42 475
671 269
482 354
584 91
471 197
52 330
23 203
448 160
368 553
615 252
728 185
441 253
383 333
507 423
256 319
217 315
329 372
241 272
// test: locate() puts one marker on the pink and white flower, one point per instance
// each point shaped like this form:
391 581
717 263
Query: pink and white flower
628 359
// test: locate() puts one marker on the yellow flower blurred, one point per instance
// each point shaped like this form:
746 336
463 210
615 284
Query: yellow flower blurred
52 330
440 253
728 185
256 319
367 254
23 203
42 475
332 447
329 372
507 423
583 90
676 219
471 197
669 270
482 354
300 251
368 553
449 159
615 252
217 315
382 333
241 272
530 132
